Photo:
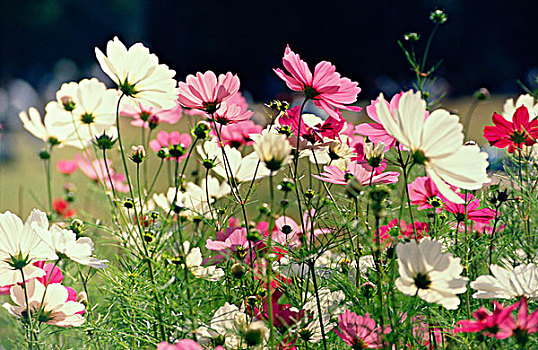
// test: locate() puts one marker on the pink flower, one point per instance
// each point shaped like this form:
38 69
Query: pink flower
469 211
325 87
185 344
526 324
238 134
359 332
329 128
236 244
150 117
96 170
488 322
424 193
205 92
290 234
375 131
512 134
229 113
66 167
403 230
337 176
164 139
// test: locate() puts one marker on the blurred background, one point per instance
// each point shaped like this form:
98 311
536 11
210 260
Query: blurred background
45 43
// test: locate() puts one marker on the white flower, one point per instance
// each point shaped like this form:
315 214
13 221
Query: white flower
427 272
508 283
21 245
193 260
331 304
65 244
89 112
243 169
274 150
523 100
56 308
436 142
41 129
138 74
223 325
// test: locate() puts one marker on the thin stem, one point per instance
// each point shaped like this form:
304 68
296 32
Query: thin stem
316 292
154 180
28 313
108 173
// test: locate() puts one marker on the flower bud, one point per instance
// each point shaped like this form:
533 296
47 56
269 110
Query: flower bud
82 298
138 153
482 94
438 16
411 36
68 103
285 130
309 193
201 130
208 163
104 141
255 334
44 154
77 226
238 270
374 154
279 106
128 203
286 185
153 122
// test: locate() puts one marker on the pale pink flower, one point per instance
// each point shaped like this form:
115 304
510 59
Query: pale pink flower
290 234
359 332
335 175
229 113
164 139
96 170
66 167
325 87
238 134
150 117
205 92
185 344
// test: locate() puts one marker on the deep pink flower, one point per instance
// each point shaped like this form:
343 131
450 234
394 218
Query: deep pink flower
325 87
66 167
359 332
469 211
330 128
164 139
488 322
238 134
96 170
375 131
404 230
424 193
284 316
150 117
206 92
525 324
512 134
335 175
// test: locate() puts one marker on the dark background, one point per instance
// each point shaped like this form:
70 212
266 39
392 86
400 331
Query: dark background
484 44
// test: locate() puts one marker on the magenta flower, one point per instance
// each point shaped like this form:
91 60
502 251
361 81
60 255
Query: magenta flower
424 193
325 87
526 324
150 117
469 211
205 92
238 134
313 129
403 230
359 332
168 140
375 131
337 176
66 167
512 134
185 344
488 322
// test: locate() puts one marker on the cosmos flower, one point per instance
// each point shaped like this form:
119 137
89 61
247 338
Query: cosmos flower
469 210
524 325
526 100
138 74
169 140
522 130
486 321
335 175
21 245
96 170
359 332
205 92
238 134
424 193
66 167
193 261
313 128
82 111
56 307
43 130
273 150
508 283
427 272
437 143
229 113
290 234
325 87
150 117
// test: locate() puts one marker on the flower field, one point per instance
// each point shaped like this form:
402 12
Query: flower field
175 215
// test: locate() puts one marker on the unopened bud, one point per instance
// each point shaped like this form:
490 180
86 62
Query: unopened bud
438 16
255 334
208 163
68 103
153 122
44 154
286 185
411 36
138 153
104 141
82 298
201 130
238 270
482 94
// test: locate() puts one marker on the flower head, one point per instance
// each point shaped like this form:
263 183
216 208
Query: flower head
150 117
205 92
521 130
424 193
138 74
486 321
43 130
508 283
437 143
359 332
335 175
427 272
274 150
325 87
